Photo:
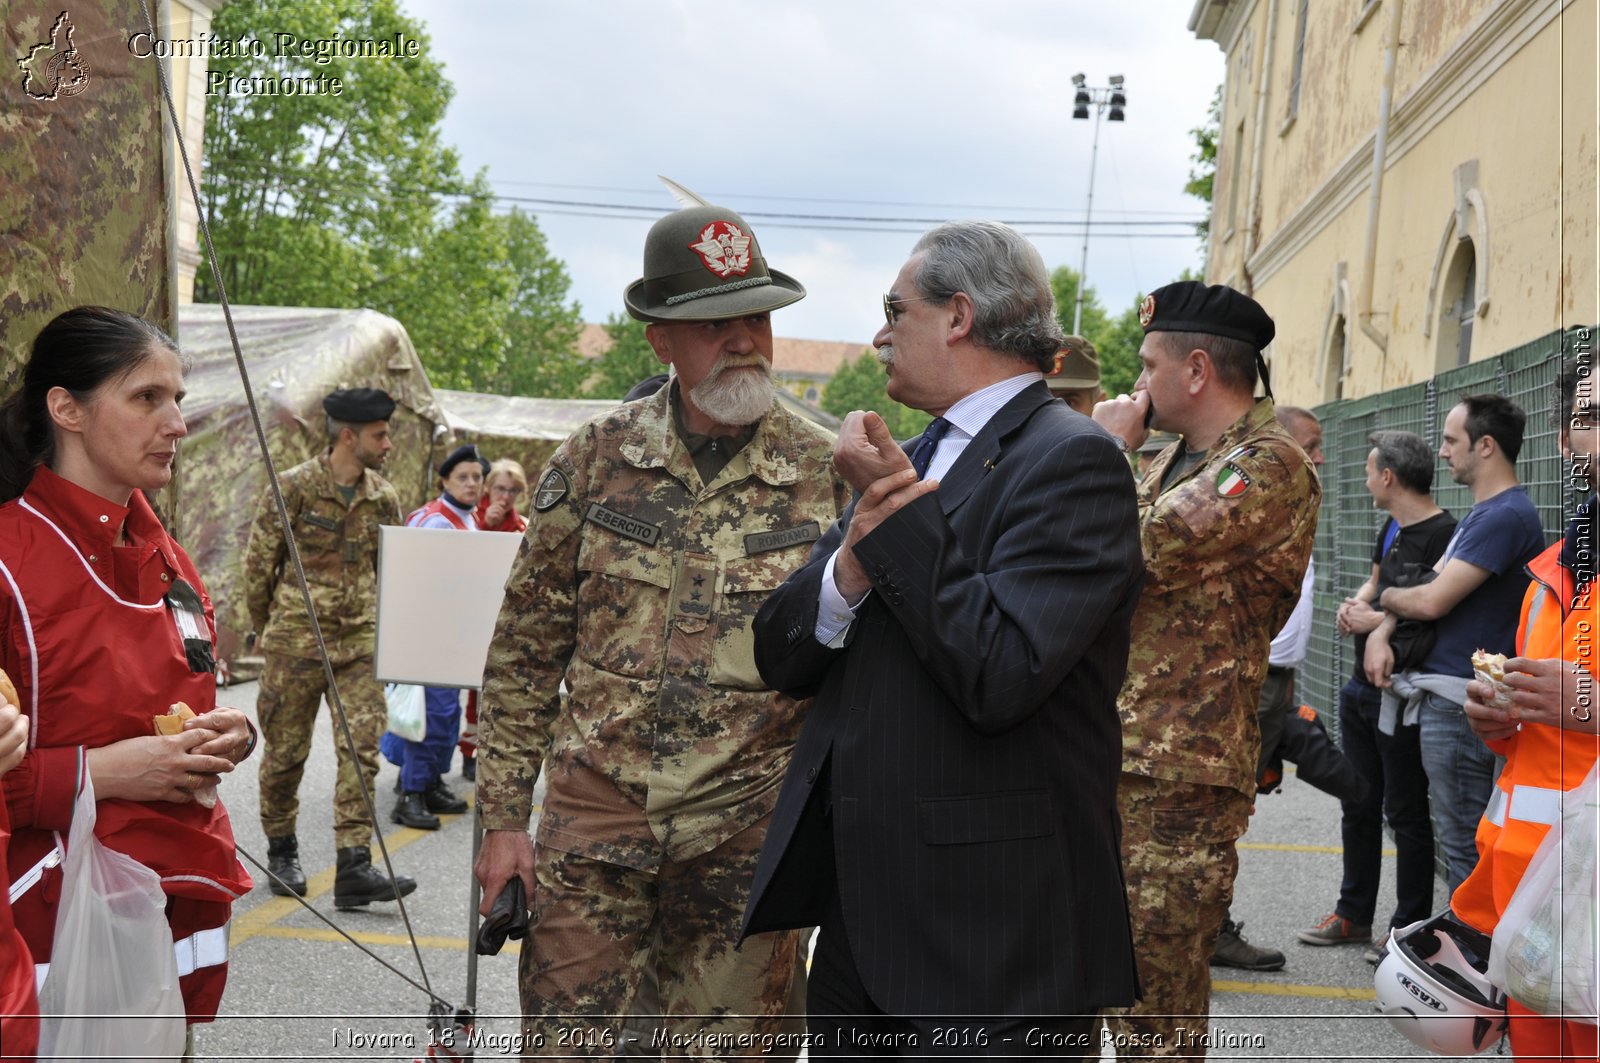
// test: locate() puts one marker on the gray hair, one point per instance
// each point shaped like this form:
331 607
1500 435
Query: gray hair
335 426
1408 456
1006 279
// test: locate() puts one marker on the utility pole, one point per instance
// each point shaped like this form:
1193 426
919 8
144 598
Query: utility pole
1110 97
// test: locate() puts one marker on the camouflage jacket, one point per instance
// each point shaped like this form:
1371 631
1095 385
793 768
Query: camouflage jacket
339 550
1225 549
637 585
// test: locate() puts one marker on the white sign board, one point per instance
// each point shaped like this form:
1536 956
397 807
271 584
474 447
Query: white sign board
439 593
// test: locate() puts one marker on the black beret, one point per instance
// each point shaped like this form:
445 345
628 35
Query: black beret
1216 310
465 452
359 405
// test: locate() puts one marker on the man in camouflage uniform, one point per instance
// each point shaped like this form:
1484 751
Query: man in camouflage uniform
1228 515
657 532
336 502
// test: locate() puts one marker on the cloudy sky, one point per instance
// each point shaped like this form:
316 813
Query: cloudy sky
841 129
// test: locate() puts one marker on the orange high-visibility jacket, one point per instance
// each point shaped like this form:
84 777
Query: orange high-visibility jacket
1543 763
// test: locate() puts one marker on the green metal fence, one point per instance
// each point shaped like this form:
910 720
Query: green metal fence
1349 523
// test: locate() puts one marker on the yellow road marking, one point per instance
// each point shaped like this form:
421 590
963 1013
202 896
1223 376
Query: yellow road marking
321 933
1269 847
1274 989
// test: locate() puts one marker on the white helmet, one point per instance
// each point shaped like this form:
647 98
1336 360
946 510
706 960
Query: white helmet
1431 984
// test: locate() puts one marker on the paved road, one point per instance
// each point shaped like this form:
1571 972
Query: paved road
299 991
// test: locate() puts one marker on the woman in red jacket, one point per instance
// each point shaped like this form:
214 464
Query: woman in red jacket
497 509
104 625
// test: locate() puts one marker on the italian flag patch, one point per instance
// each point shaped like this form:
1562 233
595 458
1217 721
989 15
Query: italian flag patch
1231 481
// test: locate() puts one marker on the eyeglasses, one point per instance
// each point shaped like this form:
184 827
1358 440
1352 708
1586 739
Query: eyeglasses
891 312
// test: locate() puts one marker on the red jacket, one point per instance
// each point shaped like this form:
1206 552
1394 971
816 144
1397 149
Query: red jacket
95 654
19 1004
512 522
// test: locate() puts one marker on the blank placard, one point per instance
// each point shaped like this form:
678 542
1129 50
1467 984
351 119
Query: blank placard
439 593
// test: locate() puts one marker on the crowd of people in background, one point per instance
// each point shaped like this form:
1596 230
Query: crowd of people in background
991 707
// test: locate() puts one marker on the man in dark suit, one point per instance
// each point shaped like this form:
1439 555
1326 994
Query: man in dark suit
949 816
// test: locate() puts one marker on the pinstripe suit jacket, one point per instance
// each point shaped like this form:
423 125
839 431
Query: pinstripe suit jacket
969 727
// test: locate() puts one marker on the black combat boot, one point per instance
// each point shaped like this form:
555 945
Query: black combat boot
440 798
358 883
283 860
413 812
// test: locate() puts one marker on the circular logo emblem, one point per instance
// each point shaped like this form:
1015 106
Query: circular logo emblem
1147 311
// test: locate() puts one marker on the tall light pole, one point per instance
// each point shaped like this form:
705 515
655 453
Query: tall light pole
1110 97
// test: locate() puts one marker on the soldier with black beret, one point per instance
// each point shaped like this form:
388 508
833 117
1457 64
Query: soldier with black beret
1228 513
657 531
336 503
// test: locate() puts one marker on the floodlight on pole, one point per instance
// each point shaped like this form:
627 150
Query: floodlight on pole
1114 98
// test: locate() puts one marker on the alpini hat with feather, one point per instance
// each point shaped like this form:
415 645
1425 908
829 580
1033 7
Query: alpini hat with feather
704 264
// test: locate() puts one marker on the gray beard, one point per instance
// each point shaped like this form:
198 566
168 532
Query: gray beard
734 398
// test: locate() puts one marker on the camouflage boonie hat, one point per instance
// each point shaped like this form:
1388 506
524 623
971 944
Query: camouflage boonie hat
704 264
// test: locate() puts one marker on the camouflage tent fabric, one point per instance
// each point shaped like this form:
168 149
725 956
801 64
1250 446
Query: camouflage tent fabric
84 216
294 356
510 426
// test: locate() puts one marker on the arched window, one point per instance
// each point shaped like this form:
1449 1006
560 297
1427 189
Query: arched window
1458 291
1458 307
1335 361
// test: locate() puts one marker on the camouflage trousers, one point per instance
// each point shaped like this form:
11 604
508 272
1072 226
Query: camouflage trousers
291 690
594 928
1179 858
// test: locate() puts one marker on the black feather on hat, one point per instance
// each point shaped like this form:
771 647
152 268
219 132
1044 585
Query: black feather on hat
465 452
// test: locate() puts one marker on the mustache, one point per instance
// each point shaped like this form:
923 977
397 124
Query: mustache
885 354
724 364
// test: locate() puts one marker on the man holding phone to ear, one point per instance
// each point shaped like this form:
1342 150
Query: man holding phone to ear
1227 518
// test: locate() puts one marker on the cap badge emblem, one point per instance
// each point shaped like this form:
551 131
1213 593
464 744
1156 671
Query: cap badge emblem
1147 311
724 248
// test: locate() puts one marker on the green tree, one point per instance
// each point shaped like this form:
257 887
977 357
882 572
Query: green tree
861 385
350 200
315 198
1116 339
1118 348
1064 283
541 331
628 360
452 296
1204 171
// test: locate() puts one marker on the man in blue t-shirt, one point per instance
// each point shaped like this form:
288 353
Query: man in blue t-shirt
1474 601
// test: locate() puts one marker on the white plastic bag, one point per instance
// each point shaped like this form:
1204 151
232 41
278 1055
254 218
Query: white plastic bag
1543 951
112 990
408 713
